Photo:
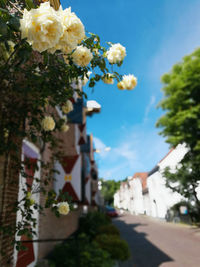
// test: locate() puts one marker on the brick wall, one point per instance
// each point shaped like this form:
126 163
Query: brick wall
8 196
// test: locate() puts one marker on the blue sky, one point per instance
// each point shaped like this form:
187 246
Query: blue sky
156 34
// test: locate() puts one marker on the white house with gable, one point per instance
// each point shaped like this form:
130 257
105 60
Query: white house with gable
161 197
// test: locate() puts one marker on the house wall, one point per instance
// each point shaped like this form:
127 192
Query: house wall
9 183
161 197
146 203
29 150
137 206
51 228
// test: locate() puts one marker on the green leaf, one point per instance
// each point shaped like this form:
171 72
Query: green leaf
97 77
3 28
14 23
29 4
2 9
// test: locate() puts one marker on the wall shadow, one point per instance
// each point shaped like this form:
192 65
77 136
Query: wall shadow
143 252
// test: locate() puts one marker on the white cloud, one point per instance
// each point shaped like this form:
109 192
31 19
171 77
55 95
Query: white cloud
139 149
148 108
99 145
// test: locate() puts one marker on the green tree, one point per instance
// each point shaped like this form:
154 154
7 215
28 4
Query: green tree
108 190
181 121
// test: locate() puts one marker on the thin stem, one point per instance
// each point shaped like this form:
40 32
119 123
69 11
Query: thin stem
13 5
14 52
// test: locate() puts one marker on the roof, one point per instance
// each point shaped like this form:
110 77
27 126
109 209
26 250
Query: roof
143 177
166 154
155 169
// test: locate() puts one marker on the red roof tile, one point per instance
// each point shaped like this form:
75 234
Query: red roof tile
167 154
143 178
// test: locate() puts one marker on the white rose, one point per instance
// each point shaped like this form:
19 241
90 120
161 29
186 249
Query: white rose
116 53
63 208
130 81
108 78
48 123
74 31
85 79
42 27
82 56
64 128
67 107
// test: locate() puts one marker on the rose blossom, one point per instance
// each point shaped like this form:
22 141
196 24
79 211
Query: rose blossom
67 107
63 208
64 128
130 81
82 56
121 85
74 31
48 123
116 53
108 79
42 27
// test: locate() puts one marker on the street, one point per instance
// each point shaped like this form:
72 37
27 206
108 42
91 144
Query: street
157 243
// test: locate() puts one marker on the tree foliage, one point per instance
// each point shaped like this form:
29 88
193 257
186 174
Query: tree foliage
109 188
181 122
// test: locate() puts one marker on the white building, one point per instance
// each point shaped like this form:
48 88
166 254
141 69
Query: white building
137 186
147 193
161 197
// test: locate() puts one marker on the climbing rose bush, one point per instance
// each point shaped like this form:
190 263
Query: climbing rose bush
45 59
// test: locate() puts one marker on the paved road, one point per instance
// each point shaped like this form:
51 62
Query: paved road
155 243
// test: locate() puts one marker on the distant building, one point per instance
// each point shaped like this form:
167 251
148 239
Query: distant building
161 197
147 193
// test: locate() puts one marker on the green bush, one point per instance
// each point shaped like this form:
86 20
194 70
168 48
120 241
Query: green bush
116 247
90 223
96 244
109 229
80 252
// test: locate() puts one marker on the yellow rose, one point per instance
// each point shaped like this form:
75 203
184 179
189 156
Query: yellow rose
130 81
82 56
63 208
116 53
64 128
48 123
74 31
121 86
67 107
42 27
108 79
